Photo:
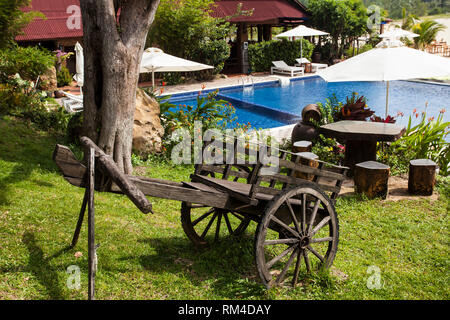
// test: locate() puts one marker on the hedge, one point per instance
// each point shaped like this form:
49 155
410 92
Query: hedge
262 54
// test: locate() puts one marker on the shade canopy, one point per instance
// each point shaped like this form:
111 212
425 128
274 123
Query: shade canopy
398 33
387 63
301 31
79 76
155 60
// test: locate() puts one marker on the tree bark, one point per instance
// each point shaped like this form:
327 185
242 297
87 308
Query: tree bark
114 34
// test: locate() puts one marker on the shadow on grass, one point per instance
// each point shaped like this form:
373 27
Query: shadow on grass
27 150
230 263
40 267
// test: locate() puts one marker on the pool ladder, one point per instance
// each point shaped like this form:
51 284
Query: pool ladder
250 85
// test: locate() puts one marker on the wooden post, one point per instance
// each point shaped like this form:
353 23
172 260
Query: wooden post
371 179
302 146
422 177
358 152
307 159
91 223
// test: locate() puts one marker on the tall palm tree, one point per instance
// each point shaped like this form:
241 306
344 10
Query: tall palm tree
427 31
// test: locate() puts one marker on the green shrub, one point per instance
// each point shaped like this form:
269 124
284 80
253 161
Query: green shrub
172 78
19 98
351 52
262 54
74 128
63 77
29 62
427 140
18 95
213 53
49 120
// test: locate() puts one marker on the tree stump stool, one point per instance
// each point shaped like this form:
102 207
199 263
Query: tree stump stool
307 159
302 146
371 178
422 177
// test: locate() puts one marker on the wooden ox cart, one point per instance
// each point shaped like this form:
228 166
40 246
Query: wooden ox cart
297 221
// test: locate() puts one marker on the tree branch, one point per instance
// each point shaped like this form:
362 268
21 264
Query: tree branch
136 16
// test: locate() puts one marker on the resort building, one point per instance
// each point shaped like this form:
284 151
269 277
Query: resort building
61 29
255 24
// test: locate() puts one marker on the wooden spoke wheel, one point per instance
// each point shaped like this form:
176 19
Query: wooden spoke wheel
298 234
204 225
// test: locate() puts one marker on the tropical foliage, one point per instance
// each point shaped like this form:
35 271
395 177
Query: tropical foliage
427 31
186 29
416 7
13 20
344 20
29 62
427 139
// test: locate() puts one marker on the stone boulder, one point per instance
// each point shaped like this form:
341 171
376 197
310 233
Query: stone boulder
48 81
147 131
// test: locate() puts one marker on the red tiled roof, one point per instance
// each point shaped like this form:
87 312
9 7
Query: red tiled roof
56 25
264 10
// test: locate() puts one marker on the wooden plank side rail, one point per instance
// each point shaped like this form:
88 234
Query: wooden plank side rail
76 173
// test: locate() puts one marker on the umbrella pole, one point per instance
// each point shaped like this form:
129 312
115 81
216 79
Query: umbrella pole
301 49
153 79
387 99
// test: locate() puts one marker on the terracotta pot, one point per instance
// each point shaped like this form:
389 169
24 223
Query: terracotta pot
311 112
316 57
304 131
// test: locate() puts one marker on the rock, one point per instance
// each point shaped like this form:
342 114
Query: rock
59 94
147 131
48 81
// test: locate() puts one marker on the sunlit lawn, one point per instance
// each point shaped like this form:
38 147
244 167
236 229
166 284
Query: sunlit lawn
149 256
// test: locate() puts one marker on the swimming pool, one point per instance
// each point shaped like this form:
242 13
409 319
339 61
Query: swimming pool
270 105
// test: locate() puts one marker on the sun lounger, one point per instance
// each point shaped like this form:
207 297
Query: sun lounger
315 66
73 103
282 68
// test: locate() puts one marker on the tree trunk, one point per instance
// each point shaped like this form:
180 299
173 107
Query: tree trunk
113 47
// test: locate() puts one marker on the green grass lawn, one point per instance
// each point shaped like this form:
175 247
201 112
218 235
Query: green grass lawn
149 256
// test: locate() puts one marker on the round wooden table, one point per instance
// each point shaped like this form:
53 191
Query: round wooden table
360 138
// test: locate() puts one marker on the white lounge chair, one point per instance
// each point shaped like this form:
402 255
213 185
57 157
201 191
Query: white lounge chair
315 66
282 68
73 103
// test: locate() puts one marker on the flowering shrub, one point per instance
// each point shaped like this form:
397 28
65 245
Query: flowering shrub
213 113
427 139
355 109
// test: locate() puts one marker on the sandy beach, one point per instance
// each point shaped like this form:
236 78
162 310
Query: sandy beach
446 33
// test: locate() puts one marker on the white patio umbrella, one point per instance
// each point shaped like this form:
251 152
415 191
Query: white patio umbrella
398 33
155 60
79 76
388 64
301 31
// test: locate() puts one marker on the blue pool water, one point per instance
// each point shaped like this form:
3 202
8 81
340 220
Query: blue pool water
271 105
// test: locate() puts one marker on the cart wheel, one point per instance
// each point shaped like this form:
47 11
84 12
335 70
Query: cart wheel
299 227
204 225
